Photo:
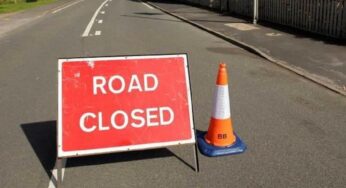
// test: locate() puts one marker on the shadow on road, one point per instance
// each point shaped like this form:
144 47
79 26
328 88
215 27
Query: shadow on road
42 137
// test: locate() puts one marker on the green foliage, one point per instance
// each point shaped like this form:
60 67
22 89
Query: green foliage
7 6
16 1
11 1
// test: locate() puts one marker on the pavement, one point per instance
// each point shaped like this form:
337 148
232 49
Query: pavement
320 59
294 128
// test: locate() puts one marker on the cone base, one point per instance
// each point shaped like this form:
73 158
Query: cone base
214 151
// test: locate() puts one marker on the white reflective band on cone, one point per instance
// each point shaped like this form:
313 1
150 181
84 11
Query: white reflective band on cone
221 108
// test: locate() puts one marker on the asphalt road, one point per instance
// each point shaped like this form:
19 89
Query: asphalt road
295 130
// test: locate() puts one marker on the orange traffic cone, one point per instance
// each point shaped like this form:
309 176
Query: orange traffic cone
220 138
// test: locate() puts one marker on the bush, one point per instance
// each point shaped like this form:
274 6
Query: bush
10 1
15 1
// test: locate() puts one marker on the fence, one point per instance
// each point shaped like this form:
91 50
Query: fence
326 17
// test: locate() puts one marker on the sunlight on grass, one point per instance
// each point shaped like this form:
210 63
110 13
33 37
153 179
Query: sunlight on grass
11 6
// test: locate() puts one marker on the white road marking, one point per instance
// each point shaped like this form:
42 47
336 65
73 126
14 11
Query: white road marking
89 26
102 12
147 5
106 5
100 21
97 33
53 179
69 5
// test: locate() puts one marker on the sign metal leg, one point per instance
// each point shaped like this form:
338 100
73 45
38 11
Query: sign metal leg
196 157
59 173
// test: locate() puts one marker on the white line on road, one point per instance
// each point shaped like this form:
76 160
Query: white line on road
89 26
53 179
102 12
97 33
100 21
69 5
147 5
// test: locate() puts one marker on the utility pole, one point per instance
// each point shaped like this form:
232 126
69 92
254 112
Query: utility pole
255 11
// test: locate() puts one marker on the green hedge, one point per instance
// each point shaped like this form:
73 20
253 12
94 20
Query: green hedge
15 1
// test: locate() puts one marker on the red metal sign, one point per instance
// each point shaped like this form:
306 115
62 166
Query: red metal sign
123 103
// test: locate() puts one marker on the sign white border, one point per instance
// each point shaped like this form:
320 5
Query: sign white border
64 154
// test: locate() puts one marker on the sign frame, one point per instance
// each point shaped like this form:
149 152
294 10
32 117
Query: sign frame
88 152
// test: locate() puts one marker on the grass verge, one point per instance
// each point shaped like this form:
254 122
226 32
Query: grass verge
8 7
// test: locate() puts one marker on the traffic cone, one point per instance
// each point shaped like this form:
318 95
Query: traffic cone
220 138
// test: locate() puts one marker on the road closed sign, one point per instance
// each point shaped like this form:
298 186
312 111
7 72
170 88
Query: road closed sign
116 104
